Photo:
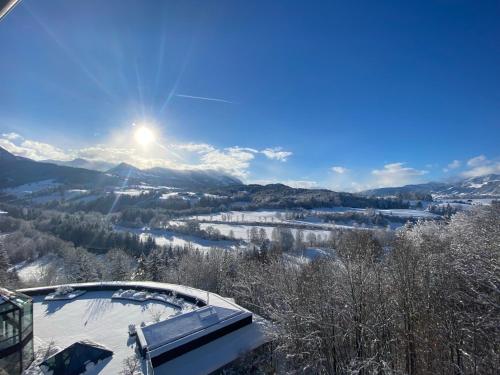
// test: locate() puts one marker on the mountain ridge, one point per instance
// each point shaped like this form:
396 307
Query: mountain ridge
96 165
486 185
17 170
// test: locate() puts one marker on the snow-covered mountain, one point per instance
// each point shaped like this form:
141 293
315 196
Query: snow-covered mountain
16 171
488 185
174 177
96 165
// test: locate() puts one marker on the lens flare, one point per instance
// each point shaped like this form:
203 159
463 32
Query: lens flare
144 136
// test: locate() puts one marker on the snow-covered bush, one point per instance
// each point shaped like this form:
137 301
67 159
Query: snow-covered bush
63 290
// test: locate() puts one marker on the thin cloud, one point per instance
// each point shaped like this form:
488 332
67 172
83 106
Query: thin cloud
477 161
480 166
340 170
453 165
276 153
35 150
204 98
11 136
396 174
199 148
233 160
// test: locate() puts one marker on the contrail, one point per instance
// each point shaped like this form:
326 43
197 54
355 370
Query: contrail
204 98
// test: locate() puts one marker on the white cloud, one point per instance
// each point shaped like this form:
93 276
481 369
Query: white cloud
276 153
19 146
11 136
340 170
480 166
396 174
477 161
195 147
232 160
453 165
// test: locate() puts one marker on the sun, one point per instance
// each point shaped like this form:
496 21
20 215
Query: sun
144 136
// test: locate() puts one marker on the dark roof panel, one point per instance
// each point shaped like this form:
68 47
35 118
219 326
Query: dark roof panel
75 358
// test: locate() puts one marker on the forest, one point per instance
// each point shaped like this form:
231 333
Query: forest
421 300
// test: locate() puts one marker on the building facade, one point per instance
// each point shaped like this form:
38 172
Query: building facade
16 332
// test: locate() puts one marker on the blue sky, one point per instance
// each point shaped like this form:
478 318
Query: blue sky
340 94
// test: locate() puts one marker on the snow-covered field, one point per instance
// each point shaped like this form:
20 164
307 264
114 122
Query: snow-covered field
131 192
409 213
241 231
31 187
264 216
35 271
280 216
187 196
168 238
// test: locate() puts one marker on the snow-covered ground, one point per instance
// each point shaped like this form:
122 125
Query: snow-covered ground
169 195
96 317
409 213
131 192
280 216
214 196
241 231
264 216
32 187
475 201
191 197
34 271
169 238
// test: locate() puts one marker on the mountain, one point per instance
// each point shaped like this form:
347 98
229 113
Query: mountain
96 165
488 185
190 179
6 156
16 170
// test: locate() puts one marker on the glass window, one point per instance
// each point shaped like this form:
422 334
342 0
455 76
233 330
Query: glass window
28 354
12 363
27 319
9 328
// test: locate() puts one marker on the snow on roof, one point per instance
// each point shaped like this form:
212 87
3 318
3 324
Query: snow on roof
218 353
14 298
95 316
173 329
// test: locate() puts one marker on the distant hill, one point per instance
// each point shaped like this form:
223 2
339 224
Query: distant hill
283 196
83 163
488 185
195 179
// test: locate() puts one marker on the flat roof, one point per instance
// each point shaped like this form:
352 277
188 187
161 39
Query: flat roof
170 330
14 297
95 316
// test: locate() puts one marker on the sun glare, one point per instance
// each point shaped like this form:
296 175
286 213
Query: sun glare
144 136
